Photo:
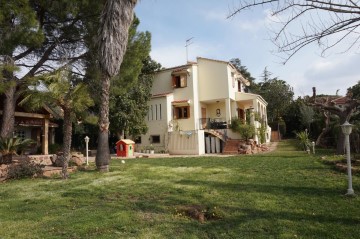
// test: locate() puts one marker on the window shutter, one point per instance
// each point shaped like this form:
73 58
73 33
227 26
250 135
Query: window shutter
173 78
183 81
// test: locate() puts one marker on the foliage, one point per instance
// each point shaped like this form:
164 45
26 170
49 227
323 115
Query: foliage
307 115
19 26
130 92
277 93
246 131
281 194
24 169
14 146
236 62
65 91
42 37
60 89
304 140
292 117
54 148
261 131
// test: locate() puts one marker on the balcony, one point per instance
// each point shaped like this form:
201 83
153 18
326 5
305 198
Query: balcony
216 123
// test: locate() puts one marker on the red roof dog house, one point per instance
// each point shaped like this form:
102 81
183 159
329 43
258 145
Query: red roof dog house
125 148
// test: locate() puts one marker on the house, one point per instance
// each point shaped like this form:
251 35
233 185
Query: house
192 106
38 126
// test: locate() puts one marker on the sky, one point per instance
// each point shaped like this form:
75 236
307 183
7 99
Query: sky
245 36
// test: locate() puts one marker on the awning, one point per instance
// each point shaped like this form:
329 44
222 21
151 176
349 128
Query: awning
178 71
181 102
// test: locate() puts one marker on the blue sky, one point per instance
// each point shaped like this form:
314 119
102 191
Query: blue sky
246 37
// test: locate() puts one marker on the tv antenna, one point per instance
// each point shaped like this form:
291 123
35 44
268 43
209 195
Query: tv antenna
188 43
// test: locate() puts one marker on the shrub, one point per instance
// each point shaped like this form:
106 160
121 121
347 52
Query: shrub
262 133
14 145
304 140
246 131
24 169
54 148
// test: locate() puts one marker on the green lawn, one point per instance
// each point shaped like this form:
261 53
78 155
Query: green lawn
283 194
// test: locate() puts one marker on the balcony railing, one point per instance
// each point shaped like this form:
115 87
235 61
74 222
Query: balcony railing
216 123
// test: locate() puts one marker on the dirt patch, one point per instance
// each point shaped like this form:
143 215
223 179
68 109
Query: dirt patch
341 164
199 212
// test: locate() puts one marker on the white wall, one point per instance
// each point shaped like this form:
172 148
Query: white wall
182 143
213 79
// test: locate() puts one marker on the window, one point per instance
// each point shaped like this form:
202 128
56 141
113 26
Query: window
19 134
154 139
181 112
137 140
152 113
239 85
179 81
160 110
156 112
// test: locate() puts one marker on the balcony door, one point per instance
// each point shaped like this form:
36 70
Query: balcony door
203 118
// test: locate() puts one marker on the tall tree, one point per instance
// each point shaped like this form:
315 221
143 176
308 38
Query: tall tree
344 114
277 93
130 89
63 90
303 22
253 87
18 29
40 36
115 20
130 108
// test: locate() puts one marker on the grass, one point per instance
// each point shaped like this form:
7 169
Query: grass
283 194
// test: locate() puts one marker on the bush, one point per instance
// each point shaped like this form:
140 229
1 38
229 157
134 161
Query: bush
304 140
24 169
246 131
54 148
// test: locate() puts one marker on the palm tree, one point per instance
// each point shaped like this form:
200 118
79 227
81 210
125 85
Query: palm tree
73 99
115 20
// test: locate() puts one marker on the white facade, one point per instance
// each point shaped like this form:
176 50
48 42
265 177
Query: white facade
196 101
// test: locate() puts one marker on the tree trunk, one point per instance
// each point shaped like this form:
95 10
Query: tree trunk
8 115
66 142
340 145
103 152
115 20
324 130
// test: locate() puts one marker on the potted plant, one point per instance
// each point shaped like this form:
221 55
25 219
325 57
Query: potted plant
151 148
147 149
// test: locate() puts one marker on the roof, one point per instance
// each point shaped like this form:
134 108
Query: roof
126 141
161 95
181 102
341 101
181 67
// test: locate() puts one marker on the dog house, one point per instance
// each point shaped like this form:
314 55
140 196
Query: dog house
125 148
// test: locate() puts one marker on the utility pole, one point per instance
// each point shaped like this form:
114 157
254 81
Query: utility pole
188 43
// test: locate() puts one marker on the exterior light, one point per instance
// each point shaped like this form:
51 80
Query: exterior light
313 146
87 149
346 129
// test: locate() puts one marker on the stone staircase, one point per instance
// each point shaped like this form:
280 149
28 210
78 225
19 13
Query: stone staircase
232 146
217 133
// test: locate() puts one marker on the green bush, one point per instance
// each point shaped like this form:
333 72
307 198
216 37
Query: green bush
303 138
24 169
54 148
246 131
262 133
14 145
